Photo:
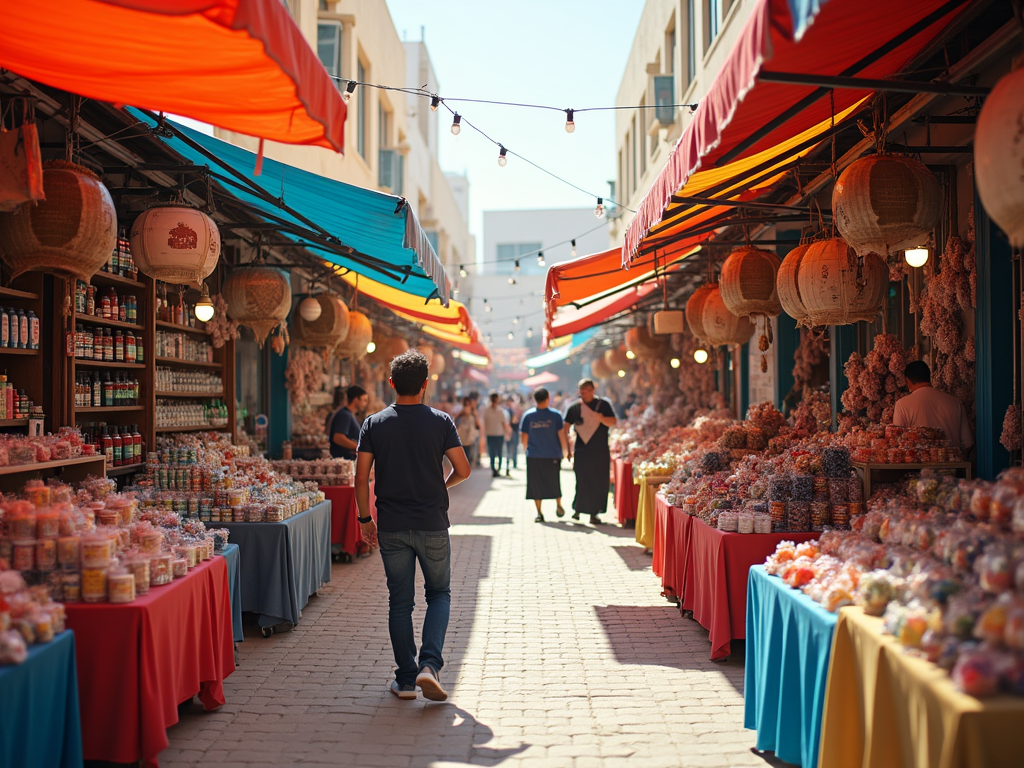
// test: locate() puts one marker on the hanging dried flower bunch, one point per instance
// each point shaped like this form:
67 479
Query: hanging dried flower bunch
876 380
1010 439
221 327
695 382
811 351
304 374
281 339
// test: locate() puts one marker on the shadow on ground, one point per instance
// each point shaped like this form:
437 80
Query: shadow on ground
634 558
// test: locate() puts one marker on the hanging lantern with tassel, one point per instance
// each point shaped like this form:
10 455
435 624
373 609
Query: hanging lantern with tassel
175 243
330 326
695 310
720 325
838 287
258 297
999 154
787 287
360 334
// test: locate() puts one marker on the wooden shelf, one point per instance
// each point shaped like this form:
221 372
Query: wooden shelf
164 325
13 293
82 362
109 278
126 469
13 422
193 428
105 321
18 469
110 409
187 363
16 351
190 394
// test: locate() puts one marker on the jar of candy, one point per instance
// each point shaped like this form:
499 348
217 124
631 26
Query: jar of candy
94 585
72 587
46 555
161 569
48 524
121 586
179 567
96 551
23 554
21 523
139 567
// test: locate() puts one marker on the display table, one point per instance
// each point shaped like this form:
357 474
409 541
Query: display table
868 472
887 709
282 564
716 579
231 557
678 532
39 721
345 534
137 662
789 643
627 493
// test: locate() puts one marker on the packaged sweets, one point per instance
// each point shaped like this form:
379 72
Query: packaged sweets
97 551
94 585
121 586
161 570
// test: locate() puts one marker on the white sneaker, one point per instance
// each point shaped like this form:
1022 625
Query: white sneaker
430 685
403 691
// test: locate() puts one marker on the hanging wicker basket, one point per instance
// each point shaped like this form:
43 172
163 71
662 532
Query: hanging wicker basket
838 287
885 203
175 243
695 309
258 297
747 283
721 325
787 287
999 155
360 333
616 359
328 330
70 234
643 345
388 348
599 368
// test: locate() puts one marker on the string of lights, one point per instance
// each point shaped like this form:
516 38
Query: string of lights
539 253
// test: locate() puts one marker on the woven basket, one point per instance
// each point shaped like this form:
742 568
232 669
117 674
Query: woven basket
258 297
748 283
835 290
616 359
721 325
643 345
388 348
999 156
695 309
328 330
599 368
786 284
360 333
884 203
70 234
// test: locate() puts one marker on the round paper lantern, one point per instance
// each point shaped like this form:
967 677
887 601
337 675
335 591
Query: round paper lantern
721 325
747 283
599 368
786 284
258 297
616 359
695 309
330 327
643 345
999 156
388 348
437 364
427 351
838 287
885 203
360 333
309 309
175 243
70 234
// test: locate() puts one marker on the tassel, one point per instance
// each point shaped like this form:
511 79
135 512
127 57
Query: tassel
259 161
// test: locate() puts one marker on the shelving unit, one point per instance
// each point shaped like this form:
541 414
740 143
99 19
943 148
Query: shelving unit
188 363
219 395
25 367
192 428
163 325
13 478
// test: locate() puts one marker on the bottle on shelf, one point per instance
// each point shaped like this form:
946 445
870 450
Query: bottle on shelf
22 329
33 330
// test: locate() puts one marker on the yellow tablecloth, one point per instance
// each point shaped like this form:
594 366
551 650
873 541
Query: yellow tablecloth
645 515
887 709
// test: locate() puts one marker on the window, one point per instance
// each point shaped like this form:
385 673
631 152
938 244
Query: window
361 109
527 255
328 47
712 21
691 45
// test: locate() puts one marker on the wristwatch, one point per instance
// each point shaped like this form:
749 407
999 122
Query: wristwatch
364 520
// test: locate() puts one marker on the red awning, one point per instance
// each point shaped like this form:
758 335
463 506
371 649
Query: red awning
569 321
241 65
742 115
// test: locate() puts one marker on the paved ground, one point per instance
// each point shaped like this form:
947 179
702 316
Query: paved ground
560 653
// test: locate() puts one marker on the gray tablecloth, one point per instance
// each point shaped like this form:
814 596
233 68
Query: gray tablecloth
230 553
282 564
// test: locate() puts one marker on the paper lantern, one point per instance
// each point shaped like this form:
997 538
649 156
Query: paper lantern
695 309
330 327
616 359
388 348
360 333
309 309
175 243
643 345
786 284
427 351
70 234
885 203
747 283
838 287
258 297
599 368
999 156
721 325
437 364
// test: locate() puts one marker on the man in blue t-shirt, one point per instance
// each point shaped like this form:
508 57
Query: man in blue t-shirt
407 443
546 444
345 425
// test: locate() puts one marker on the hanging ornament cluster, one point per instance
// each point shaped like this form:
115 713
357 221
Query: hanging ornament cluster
258 297
999 154
175 243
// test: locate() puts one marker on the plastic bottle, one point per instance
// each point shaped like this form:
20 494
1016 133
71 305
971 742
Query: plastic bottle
5 335
129 347
107 444
105 306
108 391
118 345
90 300
139 357
97 391
114 312
118 447
22 329
108 345
33 330
137 443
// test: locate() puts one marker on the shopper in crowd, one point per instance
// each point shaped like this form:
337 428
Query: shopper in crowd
514 408
590 418
336 405
926 406
495 428
345 425
407 443
546 445
469 428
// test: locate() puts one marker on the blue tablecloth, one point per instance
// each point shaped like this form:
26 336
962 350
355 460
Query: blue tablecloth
39 722
230 553
789 642
282 564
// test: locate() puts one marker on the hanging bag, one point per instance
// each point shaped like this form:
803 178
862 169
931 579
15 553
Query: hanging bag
21 167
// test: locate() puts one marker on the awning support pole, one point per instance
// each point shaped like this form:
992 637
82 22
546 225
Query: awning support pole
869 84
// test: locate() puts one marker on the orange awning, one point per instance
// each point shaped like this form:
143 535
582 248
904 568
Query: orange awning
241 65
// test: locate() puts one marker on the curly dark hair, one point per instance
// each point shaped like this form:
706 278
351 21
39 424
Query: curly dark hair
408 372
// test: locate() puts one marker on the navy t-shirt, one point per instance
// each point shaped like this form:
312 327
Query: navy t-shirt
542 426
344 421
408 443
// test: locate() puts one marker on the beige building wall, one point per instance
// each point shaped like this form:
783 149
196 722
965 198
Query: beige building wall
689 40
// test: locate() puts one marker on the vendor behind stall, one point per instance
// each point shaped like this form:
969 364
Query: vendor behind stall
926 406
345 425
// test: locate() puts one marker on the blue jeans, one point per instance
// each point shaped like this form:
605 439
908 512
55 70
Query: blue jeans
399 550
512 450
495 447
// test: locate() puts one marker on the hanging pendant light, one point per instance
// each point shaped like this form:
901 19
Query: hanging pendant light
204 308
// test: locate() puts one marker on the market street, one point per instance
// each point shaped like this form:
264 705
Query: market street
612 676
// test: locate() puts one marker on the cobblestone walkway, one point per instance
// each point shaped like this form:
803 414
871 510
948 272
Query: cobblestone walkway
560 652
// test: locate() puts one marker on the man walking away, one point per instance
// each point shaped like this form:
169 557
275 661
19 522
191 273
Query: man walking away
591 417
407 442
345 426
495 427
546 444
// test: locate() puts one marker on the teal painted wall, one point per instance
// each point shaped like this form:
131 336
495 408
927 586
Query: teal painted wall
844 344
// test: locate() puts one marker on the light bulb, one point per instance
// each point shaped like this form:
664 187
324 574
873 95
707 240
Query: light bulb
599 208
515 321
622 374
433 377
309 309
462 271
517 266
371 348
511 281
630 355
434 102
457 124
511 335
349 90
700 356
487 307
674 362
570 126
456 354
502 160
573 254
204 307
529 333
916 257
540 259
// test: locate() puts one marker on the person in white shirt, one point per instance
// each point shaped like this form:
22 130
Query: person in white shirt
926 406
495 428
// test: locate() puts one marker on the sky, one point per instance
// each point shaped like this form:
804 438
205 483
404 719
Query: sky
562 53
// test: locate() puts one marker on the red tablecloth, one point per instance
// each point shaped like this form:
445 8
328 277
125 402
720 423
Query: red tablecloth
627 494
344 517
671 546
138 662
716 579
661 524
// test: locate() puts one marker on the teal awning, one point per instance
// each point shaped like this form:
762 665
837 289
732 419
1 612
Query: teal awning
561 353
366 231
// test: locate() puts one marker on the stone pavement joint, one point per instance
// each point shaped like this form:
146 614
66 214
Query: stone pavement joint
560 652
